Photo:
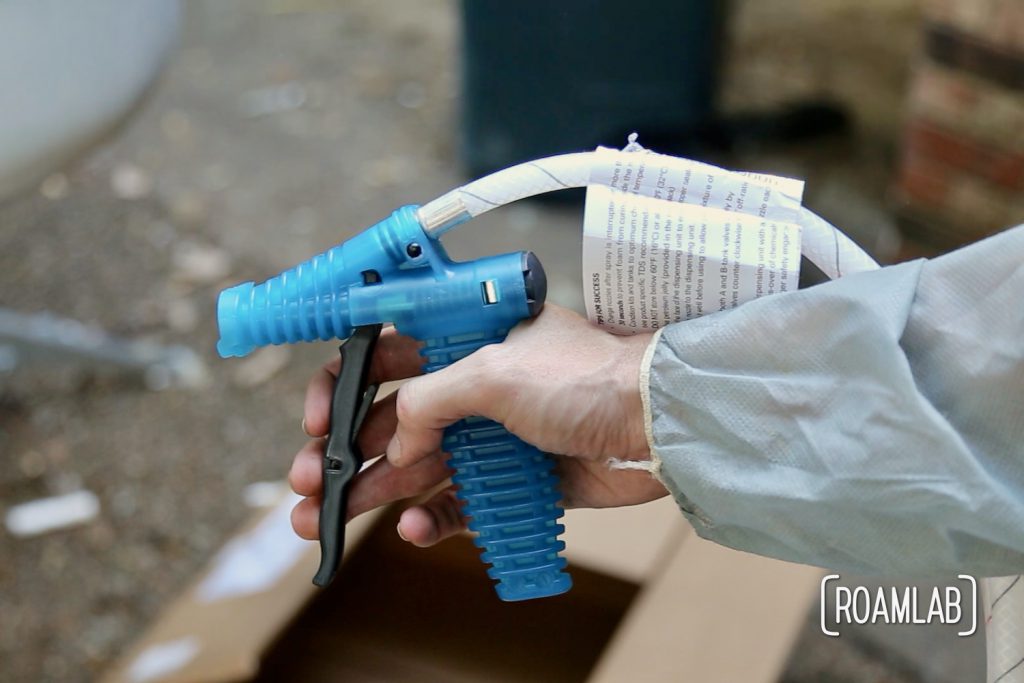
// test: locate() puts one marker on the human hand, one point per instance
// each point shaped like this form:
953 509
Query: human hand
556 382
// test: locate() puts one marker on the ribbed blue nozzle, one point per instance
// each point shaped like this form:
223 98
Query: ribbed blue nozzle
231 319
306 303
310 302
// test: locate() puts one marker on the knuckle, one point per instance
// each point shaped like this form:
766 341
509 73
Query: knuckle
489 364
494 377
405 403
297 522
489 355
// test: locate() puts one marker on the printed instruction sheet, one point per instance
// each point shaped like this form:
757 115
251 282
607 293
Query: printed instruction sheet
668 239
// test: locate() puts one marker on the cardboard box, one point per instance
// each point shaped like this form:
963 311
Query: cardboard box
650 602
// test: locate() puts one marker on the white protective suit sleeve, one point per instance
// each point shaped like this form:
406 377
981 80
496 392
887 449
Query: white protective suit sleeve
872 424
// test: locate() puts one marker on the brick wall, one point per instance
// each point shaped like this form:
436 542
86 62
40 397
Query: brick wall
961 174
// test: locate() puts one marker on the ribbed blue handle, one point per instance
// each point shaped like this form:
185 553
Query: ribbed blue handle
509 490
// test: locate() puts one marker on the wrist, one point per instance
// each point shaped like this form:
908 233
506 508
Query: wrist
633 351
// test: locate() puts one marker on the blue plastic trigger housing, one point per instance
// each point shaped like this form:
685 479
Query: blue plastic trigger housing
393 272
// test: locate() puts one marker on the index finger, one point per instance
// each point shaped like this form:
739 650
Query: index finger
395 357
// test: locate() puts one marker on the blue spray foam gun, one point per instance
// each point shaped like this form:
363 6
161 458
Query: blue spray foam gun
398 272
395 272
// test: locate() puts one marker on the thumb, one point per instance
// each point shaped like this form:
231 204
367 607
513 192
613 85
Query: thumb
426 405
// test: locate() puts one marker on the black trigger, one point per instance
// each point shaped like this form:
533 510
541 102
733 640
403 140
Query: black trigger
350 403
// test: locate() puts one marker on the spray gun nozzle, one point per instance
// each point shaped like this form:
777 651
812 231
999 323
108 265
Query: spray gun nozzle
234 338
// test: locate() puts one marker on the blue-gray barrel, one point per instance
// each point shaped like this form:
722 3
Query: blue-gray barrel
391 272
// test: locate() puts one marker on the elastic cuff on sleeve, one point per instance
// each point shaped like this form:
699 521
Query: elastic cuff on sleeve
652 466
645 398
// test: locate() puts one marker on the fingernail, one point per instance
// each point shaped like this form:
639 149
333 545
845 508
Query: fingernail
400 534
306 431
394 450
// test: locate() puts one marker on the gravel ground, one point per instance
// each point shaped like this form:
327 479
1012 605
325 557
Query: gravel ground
280 128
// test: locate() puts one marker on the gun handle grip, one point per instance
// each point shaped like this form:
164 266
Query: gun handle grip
509 490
